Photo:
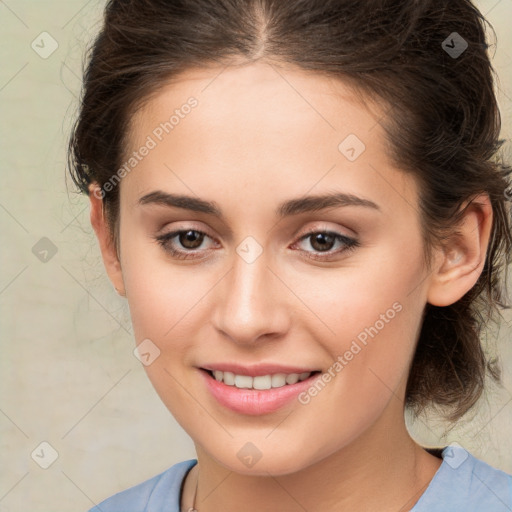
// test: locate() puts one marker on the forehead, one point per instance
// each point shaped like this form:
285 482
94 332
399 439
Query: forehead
265 98
255 125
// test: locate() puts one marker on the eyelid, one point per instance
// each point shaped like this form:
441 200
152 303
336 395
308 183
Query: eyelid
324 228
350 241
319 226
185 227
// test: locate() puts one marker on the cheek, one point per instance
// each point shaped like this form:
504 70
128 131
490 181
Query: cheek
373 313
165 301
162 296
370 356
367 292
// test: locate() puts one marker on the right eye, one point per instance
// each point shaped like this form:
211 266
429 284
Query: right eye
189 239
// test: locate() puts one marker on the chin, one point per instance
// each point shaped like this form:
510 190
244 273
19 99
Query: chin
269 459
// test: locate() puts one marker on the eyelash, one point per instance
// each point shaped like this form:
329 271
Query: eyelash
350 244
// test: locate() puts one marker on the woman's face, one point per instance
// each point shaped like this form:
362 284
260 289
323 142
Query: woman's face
255 296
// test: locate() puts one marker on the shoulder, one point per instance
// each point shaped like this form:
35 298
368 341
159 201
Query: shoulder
162 492
464 482
489 485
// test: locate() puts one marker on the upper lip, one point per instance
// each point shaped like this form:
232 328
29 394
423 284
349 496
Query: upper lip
256 369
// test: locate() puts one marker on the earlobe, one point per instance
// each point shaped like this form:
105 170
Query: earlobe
461 260
107 247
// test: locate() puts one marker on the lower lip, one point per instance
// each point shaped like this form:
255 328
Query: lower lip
254 401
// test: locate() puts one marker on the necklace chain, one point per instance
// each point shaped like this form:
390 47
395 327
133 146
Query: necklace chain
193 507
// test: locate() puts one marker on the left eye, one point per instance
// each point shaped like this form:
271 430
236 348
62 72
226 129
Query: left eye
192 239
323 241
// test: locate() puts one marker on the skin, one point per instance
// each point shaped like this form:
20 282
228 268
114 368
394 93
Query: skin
252 142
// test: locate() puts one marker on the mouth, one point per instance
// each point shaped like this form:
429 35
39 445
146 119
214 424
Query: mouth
258 394
259 382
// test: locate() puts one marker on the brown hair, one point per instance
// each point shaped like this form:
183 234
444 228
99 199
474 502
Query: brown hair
442 122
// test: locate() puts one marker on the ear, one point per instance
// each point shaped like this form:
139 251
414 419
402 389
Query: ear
107 247
461 260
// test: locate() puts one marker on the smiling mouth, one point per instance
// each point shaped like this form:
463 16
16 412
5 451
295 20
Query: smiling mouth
261 382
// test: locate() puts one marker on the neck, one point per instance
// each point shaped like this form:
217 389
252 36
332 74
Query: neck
382 470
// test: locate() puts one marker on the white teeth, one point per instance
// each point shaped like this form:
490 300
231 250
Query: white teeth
278 380
292 378
261 382
243 381
228 378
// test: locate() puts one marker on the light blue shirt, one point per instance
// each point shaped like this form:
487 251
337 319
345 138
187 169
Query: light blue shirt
462 483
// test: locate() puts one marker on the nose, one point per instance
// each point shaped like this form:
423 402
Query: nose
251 303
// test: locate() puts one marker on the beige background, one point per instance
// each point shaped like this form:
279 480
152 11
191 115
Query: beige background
68 374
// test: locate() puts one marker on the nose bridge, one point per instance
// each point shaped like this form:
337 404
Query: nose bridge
250 304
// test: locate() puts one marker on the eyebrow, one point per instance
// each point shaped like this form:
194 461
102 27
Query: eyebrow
285 209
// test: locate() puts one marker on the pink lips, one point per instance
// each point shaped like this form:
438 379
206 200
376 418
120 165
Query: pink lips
253 401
